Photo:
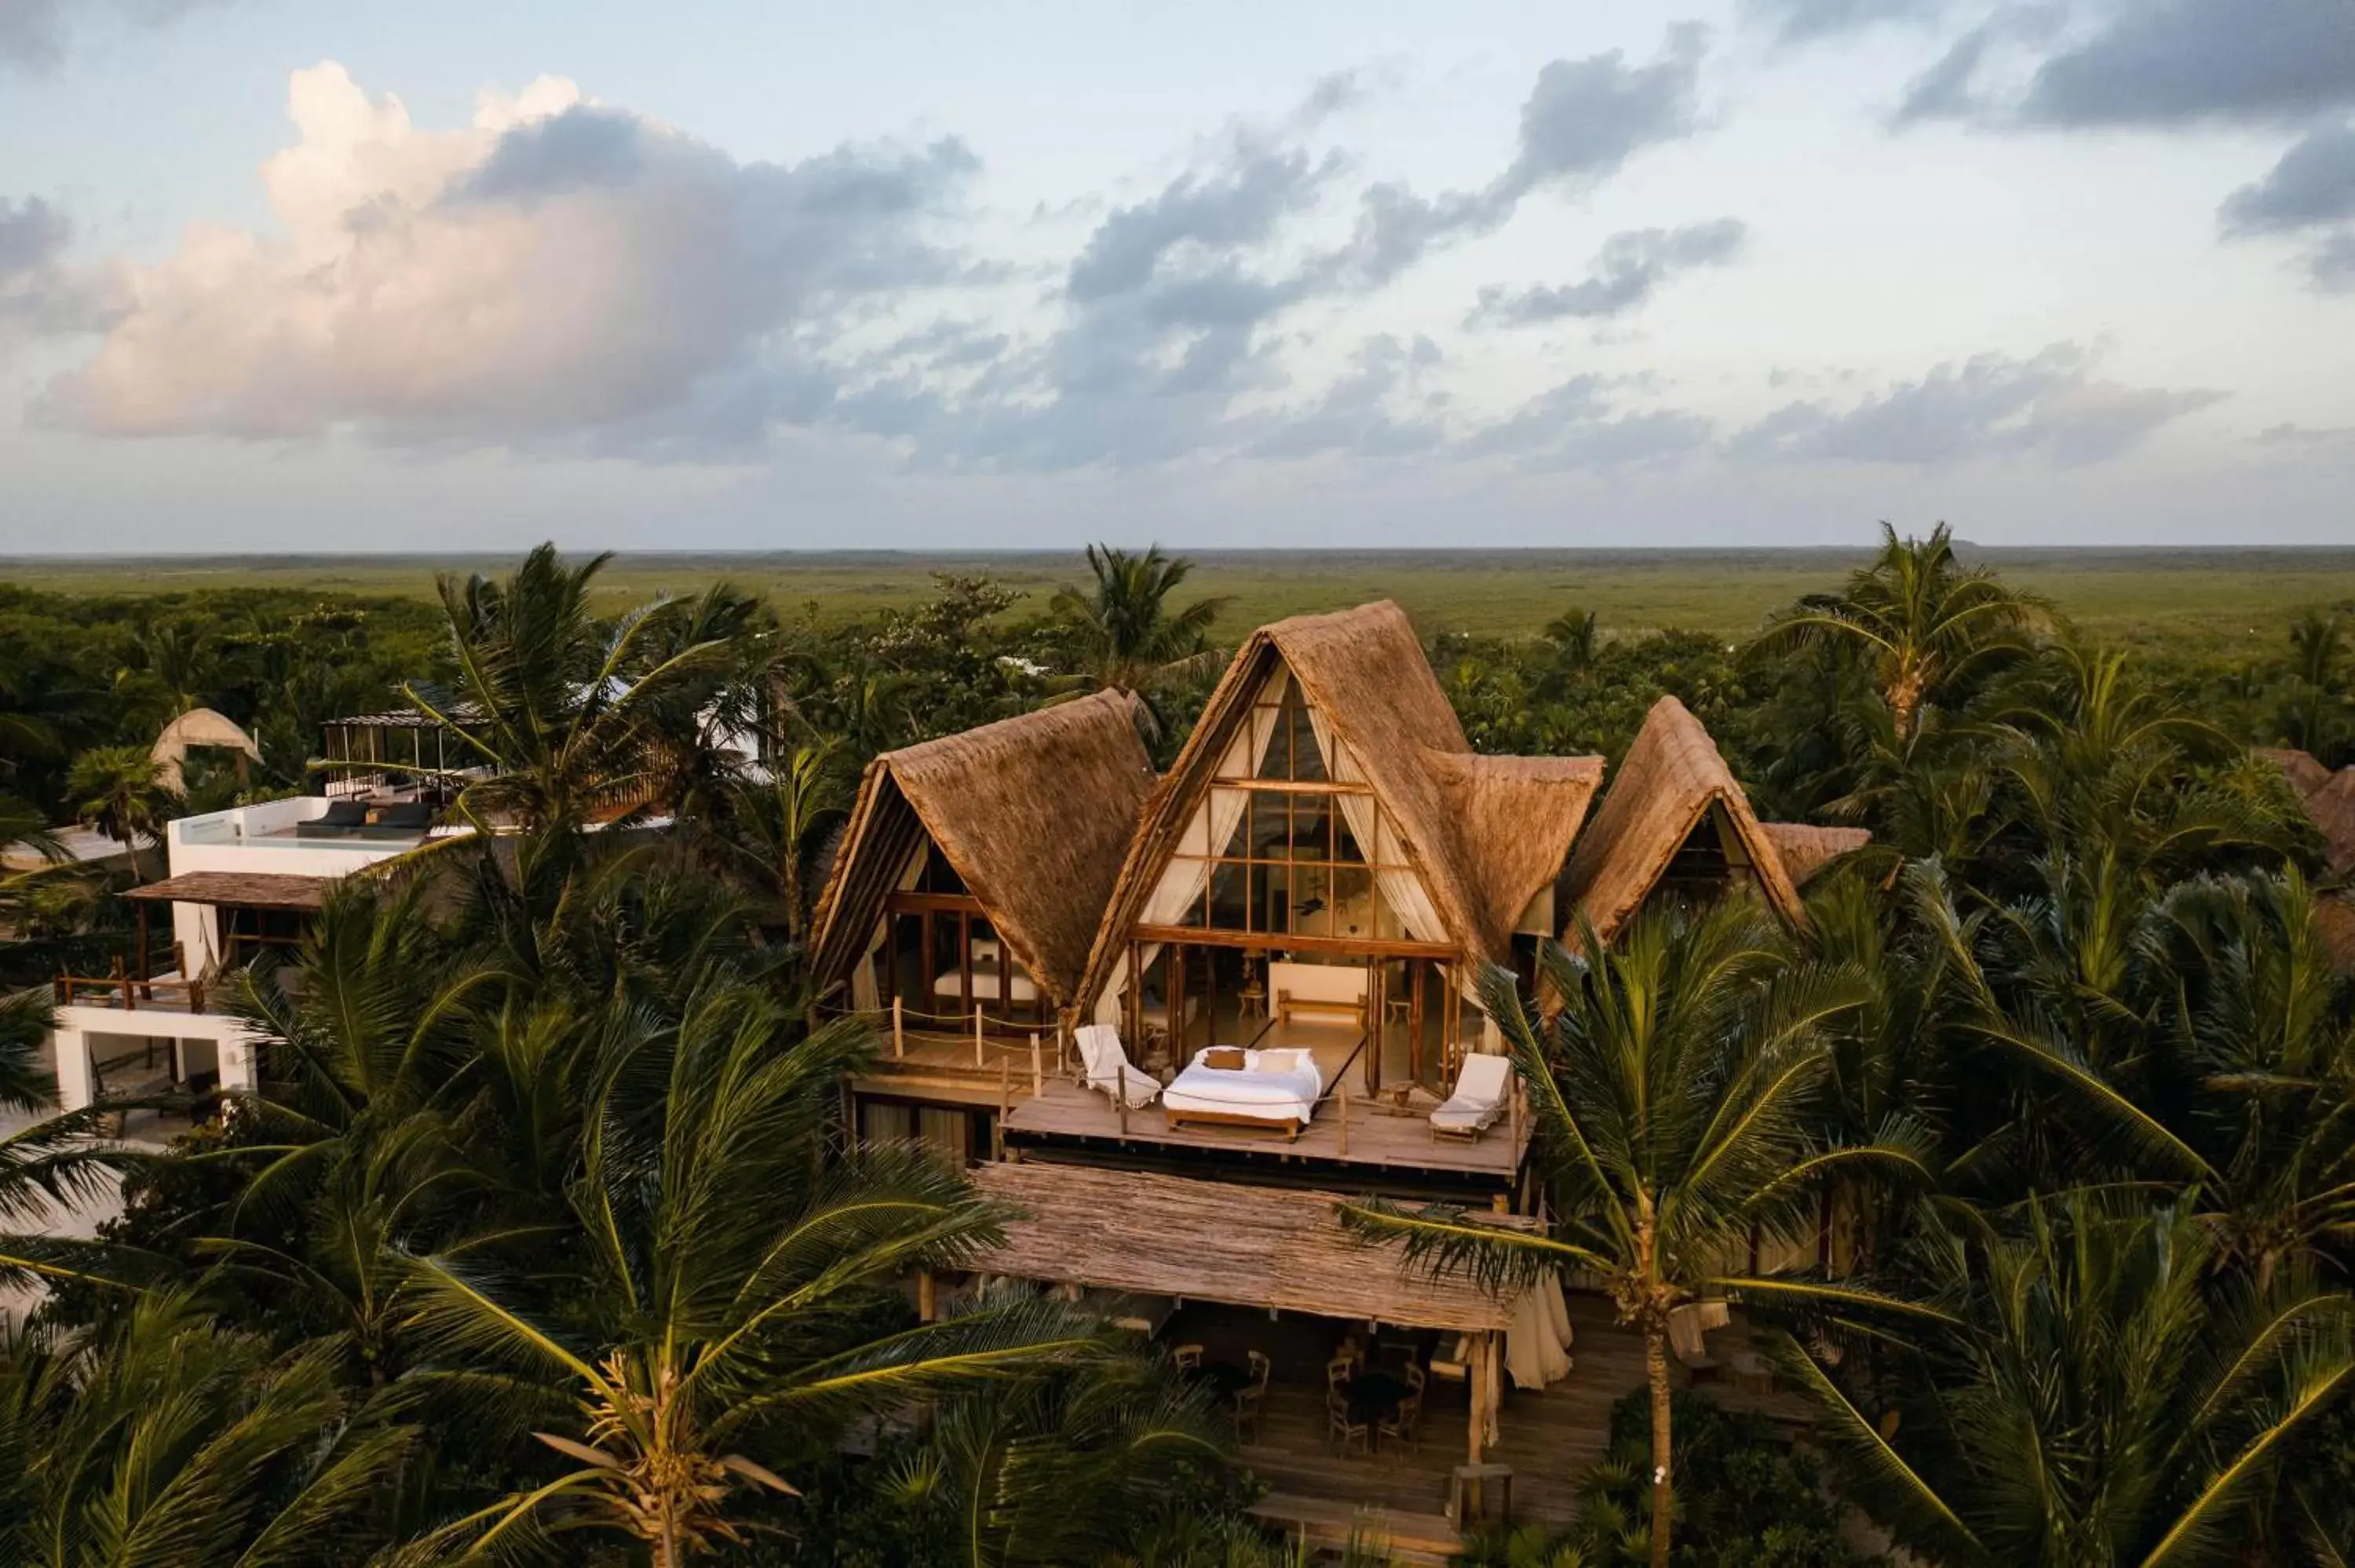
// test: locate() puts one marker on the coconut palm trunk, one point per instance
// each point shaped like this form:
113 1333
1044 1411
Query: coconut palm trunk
1674 1094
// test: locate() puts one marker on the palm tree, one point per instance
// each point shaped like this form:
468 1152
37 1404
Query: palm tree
1675 1094
560 709
2092 1402
2269 1014
1059 1468
120 791
2318 642
784 820
1921 625
49 1159
718 1318
169 1441
1127 635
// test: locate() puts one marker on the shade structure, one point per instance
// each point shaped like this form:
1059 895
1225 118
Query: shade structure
1216 1240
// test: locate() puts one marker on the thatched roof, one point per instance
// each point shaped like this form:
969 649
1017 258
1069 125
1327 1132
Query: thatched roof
1515 817
242 889
2328 797
2306 771
2335 917
1807 850
1672 778
1034 813
1484 833
1214 1241
197 726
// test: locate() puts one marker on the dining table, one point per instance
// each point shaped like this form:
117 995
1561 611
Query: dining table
1224 1378
1373 1395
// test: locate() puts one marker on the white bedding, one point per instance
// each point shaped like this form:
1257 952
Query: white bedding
1276 1085
1019 987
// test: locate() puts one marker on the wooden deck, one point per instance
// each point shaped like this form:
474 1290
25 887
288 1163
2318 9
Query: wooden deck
945 1069
1370 1137
1550 1437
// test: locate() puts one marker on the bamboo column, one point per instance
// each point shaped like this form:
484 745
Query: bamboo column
1344 1118
977 1059
899 1032
1038 1068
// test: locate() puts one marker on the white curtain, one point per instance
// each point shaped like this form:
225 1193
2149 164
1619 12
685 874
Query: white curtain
1401 889
864 995
1183 880
1537 1342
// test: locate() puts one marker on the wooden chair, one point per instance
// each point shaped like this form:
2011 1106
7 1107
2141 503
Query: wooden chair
1187 1356
1339 1371
1250 1400
1401 1424
1341 1429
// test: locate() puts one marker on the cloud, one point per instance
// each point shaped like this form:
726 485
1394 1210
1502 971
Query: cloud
2311 185
1356 412
1583 121
1988 406
558 271
1804 21
2306 437
2176 62
42 293
33 33
2332 266
1628 270
1576 425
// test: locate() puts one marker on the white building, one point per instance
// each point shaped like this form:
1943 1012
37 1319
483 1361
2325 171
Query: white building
240 882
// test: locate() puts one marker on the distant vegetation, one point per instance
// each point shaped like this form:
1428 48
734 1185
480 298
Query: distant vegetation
541 1242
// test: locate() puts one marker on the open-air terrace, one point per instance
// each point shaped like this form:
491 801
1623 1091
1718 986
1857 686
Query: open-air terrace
1350 1127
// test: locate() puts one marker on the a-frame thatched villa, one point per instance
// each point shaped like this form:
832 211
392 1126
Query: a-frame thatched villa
1172 1017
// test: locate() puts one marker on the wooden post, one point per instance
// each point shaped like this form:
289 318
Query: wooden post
1344 1118
1120 1097
928 1301
1477 1375
898 1031
142 922
978 1059
1038 1068
1005 1108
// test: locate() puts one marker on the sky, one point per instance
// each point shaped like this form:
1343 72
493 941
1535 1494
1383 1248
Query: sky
303 275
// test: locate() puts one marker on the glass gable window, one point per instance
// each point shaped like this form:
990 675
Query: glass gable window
1288 861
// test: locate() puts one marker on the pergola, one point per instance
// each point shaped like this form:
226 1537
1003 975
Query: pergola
230 890
1139 1233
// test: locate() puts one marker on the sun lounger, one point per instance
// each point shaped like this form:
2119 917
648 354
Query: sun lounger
1107 1068
1479 1098
341 817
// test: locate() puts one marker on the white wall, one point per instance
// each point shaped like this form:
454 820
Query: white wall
242 840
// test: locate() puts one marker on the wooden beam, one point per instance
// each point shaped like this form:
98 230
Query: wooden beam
1347 946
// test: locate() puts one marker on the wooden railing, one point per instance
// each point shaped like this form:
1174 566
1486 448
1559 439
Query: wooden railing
127 992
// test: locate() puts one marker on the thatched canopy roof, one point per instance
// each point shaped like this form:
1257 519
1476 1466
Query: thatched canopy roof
1807 850
1214 1241
1485 834
1035 812
197 726
238 889
1672 779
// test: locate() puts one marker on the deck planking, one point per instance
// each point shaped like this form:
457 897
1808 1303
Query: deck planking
1374 1138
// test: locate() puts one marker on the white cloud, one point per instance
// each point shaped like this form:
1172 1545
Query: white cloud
1991 405
557 270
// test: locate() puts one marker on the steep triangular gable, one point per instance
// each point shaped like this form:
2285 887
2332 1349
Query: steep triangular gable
1034 813
1672 779
1473 829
